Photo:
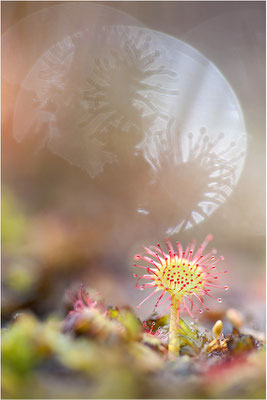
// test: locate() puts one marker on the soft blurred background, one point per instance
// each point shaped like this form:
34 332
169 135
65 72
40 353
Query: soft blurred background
63 225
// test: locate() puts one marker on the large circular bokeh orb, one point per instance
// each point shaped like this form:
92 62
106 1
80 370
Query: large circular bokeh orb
142 107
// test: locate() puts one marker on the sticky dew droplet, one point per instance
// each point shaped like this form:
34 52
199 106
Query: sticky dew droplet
219 300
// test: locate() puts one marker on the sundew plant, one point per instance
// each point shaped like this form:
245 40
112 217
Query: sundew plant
184 275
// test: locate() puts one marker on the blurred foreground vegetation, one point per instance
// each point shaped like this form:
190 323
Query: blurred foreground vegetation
99 352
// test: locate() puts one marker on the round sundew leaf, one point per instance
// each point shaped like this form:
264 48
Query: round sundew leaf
184 276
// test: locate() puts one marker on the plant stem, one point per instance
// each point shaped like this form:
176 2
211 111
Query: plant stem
174 341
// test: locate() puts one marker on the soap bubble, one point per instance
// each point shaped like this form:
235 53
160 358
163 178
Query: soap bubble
113 98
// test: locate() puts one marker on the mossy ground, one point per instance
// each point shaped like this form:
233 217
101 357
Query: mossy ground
108 353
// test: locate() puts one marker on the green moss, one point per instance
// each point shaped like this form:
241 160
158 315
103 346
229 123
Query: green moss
13 223
114 356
